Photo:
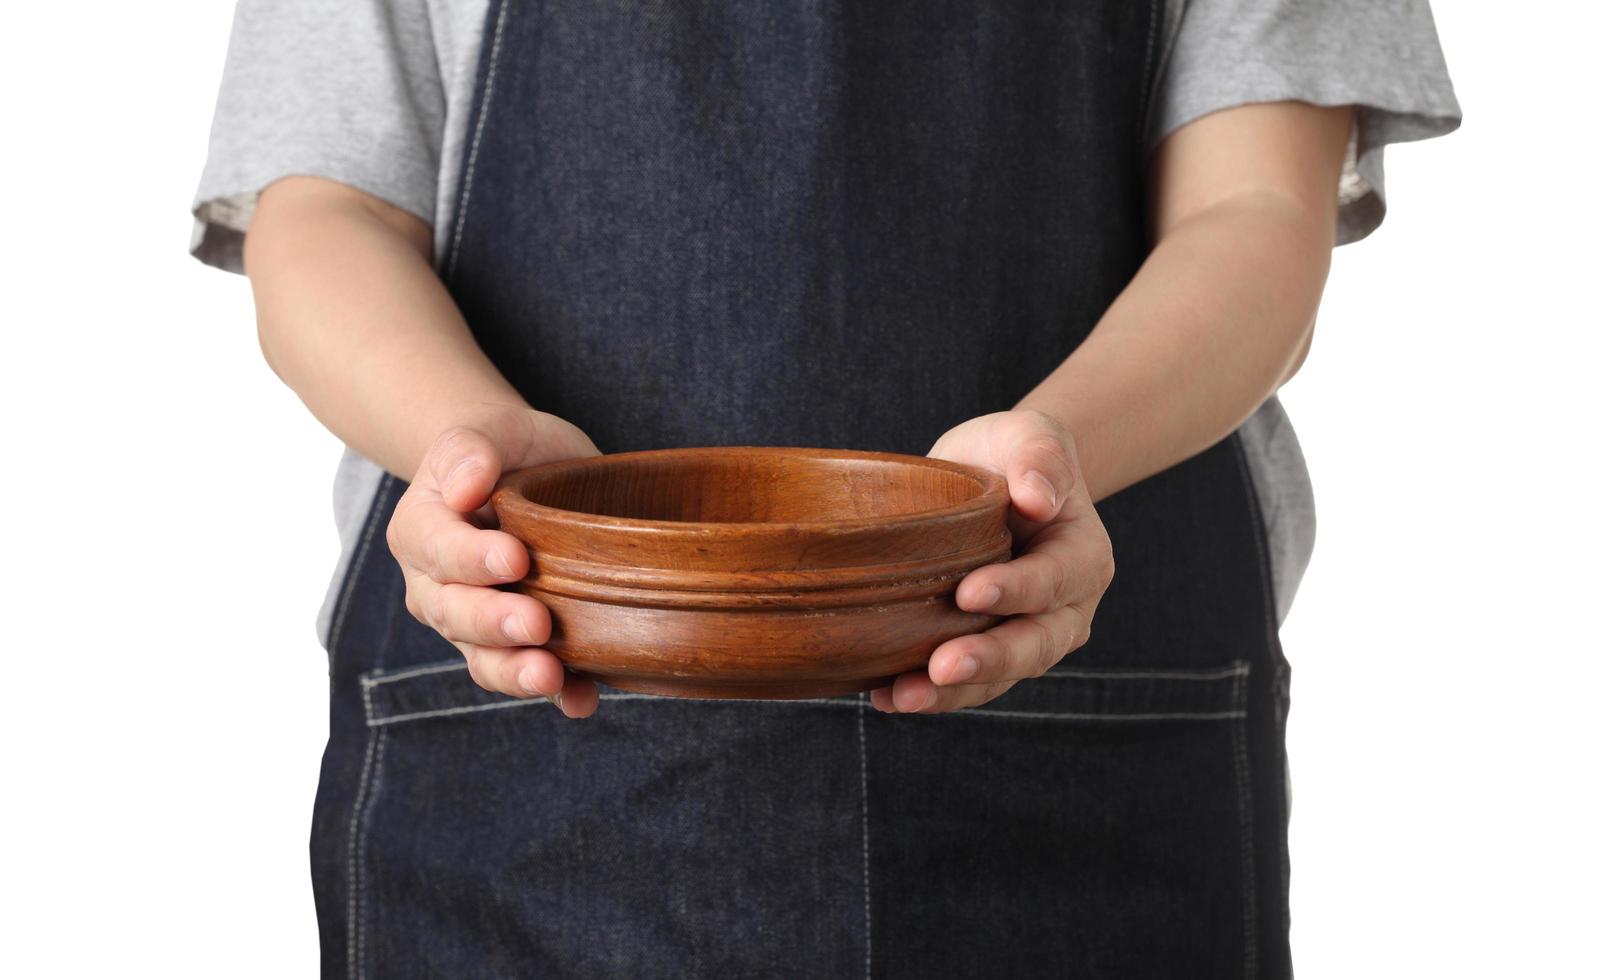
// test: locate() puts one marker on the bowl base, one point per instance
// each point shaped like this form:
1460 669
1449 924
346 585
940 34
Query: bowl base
696 688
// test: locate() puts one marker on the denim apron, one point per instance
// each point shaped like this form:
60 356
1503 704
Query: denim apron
816 224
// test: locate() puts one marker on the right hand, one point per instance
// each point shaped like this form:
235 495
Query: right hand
440 535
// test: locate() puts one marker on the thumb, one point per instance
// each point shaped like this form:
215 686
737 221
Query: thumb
1040 472
465 463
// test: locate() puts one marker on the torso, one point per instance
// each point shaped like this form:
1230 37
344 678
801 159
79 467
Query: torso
841 225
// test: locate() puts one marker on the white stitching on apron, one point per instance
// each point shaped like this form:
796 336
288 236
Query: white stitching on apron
863 784
479 131
337 630
353 836
967 712
370 680
1245 803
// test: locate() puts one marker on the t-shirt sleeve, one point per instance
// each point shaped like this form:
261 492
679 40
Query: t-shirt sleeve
347 90
1380 56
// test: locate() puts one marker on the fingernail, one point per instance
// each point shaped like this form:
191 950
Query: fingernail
496 563
966 669
1041 485
927 701
513 626
989 597
556 699
526 681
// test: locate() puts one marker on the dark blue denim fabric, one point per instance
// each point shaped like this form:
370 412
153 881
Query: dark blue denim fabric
825 224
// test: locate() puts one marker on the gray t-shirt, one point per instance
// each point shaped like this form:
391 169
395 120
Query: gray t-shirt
376 93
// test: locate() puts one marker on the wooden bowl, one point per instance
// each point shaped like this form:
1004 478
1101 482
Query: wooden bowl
743 572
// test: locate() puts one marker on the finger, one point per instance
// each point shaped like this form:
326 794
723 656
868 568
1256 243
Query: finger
524 672
529 673
914 693
464 463
1037 460
881 698
479 615
1017 648
579 697
426 535
1066 562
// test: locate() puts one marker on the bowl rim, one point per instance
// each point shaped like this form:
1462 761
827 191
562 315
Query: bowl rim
509 495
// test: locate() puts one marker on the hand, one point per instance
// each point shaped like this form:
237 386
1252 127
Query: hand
1049 592
451 561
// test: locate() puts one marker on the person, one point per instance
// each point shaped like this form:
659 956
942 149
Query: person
1080 243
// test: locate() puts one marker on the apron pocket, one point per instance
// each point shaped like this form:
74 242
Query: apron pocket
1094 822
1086 823
660 837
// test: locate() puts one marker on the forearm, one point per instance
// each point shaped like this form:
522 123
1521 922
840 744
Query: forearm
1243 205
1217 318
352 316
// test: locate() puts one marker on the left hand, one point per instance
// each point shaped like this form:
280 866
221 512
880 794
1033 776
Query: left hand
1048 592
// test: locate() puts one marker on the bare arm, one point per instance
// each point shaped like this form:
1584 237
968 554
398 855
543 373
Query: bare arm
352 316
1244 208
1244 211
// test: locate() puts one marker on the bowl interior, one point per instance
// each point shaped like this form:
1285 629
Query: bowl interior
752 486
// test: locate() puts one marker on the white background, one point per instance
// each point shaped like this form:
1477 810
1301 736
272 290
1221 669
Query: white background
169 535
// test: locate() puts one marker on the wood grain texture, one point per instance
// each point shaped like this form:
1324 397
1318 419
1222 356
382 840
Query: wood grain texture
753 572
